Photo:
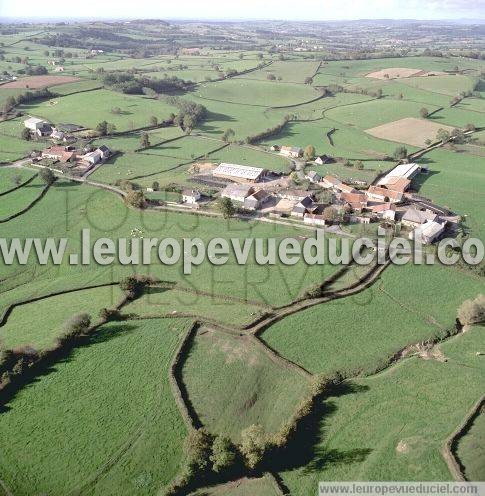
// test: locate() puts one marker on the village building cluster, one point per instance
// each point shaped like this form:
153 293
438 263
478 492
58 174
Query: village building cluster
389 200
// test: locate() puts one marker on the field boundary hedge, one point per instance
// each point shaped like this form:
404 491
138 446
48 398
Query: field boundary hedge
25 183
179 390
448 451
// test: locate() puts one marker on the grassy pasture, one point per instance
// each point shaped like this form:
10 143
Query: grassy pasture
293 71
349 68
82 85
241 487
376 112
7 176
245 120
89 108
122 425
19 199
39 323
448 85
392 426
232 384
105 214
459 117
161 302
456 181
471 450
257 93
348 336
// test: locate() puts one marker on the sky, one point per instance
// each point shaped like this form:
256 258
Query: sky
246 9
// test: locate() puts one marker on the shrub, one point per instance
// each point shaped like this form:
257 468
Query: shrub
197 448
223 454
253 445
472 311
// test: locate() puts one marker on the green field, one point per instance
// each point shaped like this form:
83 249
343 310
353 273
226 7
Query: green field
90 108
39 323
19 199
392 426
122 426
159 301
7 178
241 487
232 383
257 93
345 334
471 451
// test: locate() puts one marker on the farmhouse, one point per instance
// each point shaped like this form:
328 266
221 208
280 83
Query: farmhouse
414 217
93 157
314 177
239 173
428 232
61 153
302 207
191 196
314 219
57 135
105 151
330 182
324 159
256 200
291 151
34 124
293 194
385 210
399 179
237 192
384 195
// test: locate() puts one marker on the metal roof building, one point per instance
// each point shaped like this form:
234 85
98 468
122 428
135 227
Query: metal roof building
239 172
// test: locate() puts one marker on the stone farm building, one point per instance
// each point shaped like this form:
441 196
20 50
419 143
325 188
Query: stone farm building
239 173
291 151
237 192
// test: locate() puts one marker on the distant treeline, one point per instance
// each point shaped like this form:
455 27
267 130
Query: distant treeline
126 82
26 97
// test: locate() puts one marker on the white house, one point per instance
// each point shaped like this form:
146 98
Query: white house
34 123
428 232
93 157
291 151
191 196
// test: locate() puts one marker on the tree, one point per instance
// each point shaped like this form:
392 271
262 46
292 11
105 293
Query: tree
253 445
25 134
270 76
227 208
189 123
197 447
424 112
472 311
223 454
47 176
308 80
359 165
330 214
102 128
133 286
153 121
228 135
458 136
144 140
155 185
110 128
135 199
470 127
77 325
442 135
400 152
309 153
260 56
379 93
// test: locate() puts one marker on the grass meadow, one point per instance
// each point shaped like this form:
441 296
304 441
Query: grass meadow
121 429
392 426
39 323
232 384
